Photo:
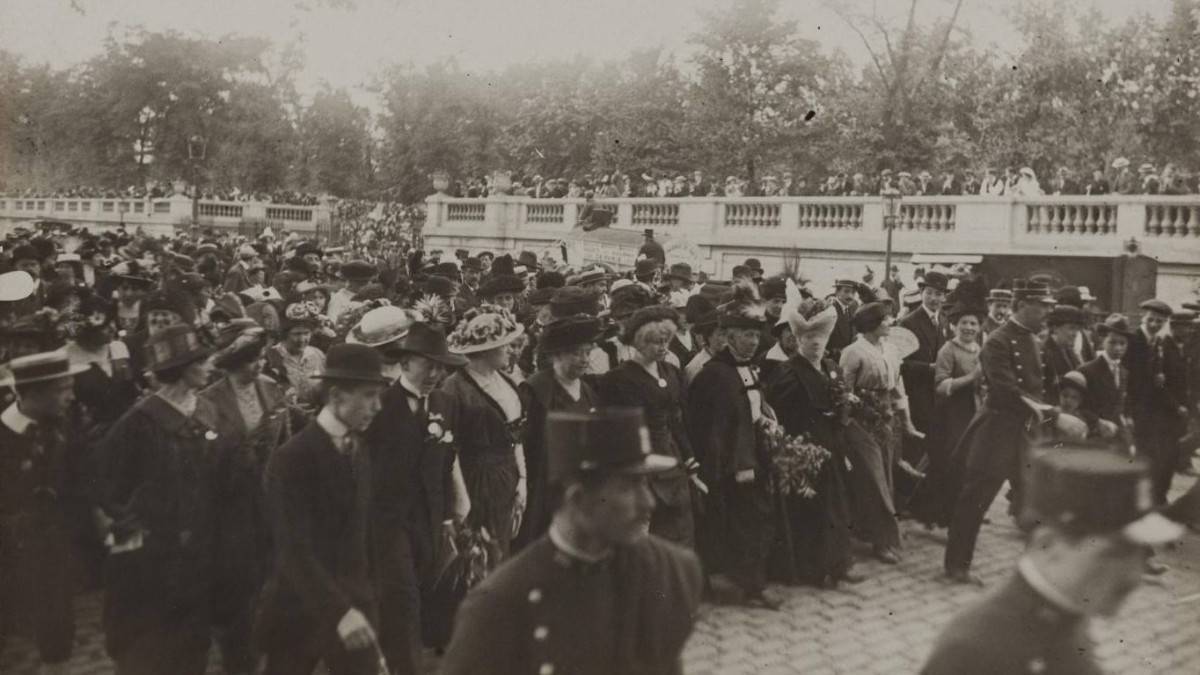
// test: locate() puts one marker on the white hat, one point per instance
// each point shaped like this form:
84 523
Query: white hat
380 326
16 285
1120 163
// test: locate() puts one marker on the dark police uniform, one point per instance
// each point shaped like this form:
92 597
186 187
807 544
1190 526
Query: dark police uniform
547 612
995 440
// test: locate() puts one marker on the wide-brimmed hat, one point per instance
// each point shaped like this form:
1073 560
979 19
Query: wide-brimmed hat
501 283
15 286
358 270
572 300
681 271
628 299
1120 163
352 363
131 272
1066 314
239 341
604 441
381 326
299 315
744 310
430 342
1091 492
1114 323
484 328
935 280
590 276
570 332
176 345
41 367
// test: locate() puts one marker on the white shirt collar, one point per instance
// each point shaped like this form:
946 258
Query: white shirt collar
1033 576
409 386
336 429
1113 364
932 315
14 419
560 542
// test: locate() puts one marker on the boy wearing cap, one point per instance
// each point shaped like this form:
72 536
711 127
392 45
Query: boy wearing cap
1058 350
318 604
36 500
597 595
1106 375
1157 394
1093 531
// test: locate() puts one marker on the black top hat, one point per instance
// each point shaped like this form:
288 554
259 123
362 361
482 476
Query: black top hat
935 280
1115 323
176 345
571 300
353 363
570 332
604 441
682 271
1064 314
430 342
1090 491
358 270
648 232
501 283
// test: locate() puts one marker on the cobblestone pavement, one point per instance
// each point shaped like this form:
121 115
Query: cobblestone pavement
886 624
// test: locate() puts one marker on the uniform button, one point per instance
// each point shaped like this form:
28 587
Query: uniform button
546 669
1037 665
1016 353
1018 366
535 596
540 633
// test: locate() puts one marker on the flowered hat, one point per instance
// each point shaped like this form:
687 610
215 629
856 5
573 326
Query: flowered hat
483 328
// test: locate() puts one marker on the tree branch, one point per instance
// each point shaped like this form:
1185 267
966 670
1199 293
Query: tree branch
844 16
943 45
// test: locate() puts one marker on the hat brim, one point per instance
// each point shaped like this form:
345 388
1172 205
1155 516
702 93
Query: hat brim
647 465
181 360
343 376
72 370
353 339
1152 529
487 346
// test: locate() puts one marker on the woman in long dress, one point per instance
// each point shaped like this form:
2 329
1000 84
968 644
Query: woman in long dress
958 383
487 416
871 365
806 394
567 343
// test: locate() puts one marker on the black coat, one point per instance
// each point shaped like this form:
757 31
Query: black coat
917 368
1144 360
317 500
1014 631
1057 360
843 330
1104 398
640 609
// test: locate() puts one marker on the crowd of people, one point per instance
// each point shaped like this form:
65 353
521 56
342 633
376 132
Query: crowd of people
307 455
162 189
1119 178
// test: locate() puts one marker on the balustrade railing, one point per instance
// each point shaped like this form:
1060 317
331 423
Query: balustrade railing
1172 220
831 216
927 217
212 210
289 213
757 215
655 215
546 214
466 212
1075 218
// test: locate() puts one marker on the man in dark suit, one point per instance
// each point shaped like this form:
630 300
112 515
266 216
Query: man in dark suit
995 441
596 595
928 322
472 271
845 303
1157 394
999 305
1107 377
1094 526
412 488
318 604
1081 298
1058 353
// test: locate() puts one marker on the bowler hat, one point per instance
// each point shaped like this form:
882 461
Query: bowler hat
175 346
1157 306
1115 323
607 441
1087 491
681 271
358 270
753 264
501 283
40 368
570 332
528 259
629 299
571 300
935 280
430 342
645 267
353 363
1066 314
698 307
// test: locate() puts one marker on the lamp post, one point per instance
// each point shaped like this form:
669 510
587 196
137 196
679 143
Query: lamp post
197 147
891 207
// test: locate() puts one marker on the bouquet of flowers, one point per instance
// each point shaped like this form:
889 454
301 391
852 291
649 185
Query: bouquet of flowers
796 459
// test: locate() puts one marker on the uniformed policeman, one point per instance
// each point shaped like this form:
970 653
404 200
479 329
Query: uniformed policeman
597 594
1093 529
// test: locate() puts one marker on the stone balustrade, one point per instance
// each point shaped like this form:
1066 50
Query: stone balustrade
163 215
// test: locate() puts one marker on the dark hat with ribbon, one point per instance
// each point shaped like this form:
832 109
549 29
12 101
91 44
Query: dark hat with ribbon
353 363
430 342
681 271
1114 323
868 317
239 342
307 247
572 300
606 441
774 288
1088 491
935 280
176 345
358 270
699 308
439 285
1066 314
41 367
570 332
629 299
501 283
645 267
1069 295
753 264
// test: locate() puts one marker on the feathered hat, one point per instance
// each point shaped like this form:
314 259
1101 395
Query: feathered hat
744 310
807 316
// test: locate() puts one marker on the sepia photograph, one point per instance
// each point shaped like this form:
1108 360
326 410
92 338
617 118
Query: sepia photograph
599 337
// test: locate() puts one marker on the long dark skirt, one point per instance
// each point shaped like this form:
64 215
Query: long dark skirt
492 486
812 541
871 447
933 501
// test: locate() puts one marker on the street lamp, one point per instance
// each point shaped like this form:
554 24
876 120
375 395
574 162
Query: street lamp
197 147
891 208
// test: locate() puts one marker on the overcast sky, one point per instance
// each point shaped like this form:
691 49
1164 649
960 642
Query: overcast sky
344 47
